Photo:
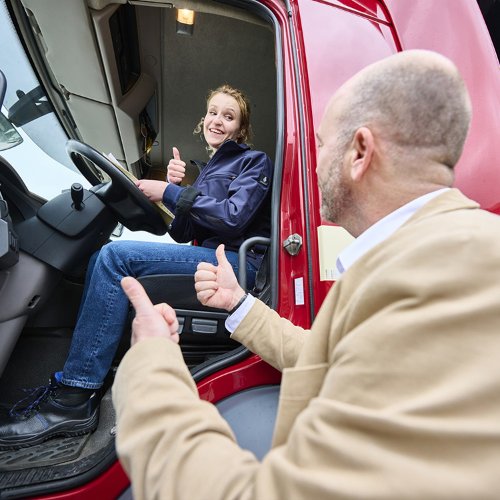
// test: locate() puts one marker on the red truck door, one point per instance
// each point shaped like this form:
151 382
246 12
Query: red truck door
336 38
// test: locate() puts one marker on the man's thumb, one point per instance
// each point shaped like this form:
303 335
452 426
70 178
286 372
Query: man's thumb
221 256
137 295
177 155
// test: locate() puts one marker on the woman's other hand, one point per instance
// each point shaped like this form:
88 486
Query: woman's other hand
152 189
176 169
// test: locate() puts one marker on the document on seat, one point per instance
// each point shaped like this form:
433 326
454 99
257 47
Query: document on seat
331 241
167 215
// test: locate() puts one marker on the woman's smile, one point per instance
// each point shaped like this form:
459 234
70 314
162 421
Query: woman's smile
222 121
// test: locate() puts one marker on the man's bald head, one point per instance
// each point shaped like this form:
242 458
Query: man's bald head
390 134
415 99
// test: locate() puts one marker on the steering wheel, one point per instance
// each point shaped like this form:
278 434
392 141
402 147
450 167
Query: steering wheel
130 205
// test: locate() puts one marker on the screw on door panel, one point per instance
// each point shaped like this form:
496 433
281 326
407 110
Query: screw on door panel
293 244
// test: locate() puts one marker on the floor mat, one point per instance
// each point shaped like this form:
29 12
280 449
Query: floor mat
53 451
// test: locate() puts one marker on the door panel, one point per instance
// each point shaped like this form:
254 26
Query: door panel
337 41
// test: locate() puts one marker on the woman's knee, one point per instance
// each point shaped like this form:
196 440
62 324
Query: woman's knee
113 254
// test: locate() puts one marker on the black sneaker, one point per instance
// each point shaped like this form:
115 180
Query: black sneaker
49 411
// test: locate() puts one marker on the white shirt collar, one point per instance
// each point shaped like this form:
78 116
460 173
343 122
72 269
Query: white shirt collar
380 231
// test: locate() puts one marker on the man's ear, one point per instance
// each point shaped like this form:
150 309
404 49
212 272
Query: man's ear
361 153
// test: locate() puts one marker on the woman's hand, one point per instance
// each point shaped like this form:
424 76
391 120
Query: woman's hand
176 169
152 189
217 286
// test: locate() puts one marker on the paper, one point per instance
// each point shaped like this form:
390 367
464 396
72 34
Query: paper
331 241
167 215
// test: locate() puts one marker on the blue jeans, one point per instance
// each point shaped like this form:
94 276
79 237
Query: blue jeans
104 308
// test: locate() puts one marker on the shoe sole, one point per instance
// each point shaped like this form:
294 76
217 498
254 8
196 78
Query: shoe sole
79 430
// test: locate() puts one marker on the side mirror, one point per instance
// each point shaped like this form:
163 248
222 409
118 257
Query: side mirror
9 136
3 87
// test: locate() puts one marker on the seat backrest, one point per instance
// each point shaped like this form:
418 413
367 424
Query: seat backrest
203 332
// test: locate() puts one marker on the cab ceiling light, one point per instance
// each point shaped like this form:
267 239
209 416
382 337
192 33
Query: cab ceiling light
185 22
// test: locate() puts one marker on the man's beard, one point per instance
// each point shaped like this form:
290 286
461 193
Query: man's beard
336 194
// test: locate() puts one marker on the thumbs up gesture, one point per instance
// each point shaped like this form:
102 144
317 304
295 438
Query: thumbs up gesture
176 168
217 286
150 321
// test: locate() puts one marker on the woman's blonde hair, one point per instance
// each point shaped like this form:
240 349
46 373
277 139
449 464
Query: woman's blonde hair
245 132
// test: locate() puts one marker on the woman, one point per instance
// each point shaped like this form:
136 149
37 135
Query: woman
228 203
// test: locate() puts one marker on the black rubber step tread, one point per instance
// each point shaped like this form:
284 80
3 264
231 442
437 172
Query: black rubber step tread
53 451
12 481
59 458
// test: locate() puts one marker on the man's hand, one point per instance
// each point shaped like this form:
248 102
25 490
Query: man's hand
217 286
150 321
152 189
176 169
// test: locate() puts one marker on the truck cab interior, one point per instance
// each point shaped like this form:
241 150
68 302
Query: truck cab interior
131 79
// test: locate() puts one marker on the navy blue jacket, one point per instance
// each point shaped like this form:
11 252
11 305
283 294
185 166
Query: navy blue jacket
229 202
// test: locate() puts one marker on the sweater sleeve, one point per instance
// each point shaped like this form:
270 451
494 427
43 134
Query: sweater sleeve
167 438
229 216
275 339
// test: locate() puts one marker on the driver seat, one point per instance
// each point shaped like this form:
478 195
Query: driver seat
203 332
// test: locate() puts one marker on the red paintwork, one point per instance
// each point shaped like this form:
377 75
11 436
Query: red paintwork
252 372
383 28
495 209
323 24
326 27
478 175
292 191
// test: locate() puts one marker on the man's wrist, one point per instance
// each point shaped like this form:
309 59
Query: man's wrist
238 304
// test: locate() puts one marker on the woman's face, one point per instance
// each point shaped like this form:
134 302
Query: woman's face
222 121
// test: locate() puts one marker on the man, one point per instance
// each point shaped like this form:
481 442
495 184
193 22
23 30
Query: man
395 391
